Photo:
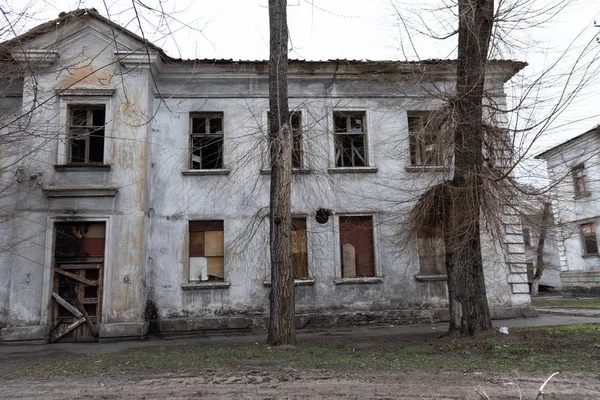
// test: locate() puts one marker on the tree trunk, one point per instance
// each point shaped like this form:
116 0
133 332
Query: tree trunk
540 265
469 311
281 321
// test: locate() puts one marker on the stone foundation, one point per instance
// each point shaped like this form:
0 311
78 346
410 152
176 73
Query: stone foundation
581 283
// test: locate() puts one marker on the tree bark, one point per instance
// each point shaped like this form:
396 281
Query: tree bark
540 265
469 311
281 321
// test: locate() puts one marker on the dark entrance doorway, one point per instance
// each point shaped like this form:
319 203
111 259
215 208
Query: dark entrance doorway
77 286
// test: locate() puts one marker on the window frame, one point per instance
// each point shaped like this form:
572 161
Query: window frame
578 172
187 282
378 273
207 115
84 98
584 239
266 159
438 236
366 123
416 143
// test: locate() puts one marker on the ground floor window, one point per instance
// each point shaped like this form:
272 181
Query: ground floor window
299 248
356 246
206 251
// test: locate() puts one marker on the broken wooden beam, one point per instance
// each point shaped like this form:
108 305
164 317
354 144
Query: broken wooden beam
67 305
66 329
76 277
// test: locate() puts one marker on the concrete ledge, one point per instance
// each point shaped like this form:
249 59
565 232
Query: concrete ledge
179 325
123 330
513 312
36 334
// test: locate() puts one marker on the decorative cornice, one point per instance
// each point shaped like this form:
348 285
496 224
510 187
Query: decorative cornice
57 192
85 92
139 59
36 57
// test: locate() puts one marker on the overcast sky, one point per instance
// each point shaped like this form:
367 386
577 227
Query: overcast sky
376 30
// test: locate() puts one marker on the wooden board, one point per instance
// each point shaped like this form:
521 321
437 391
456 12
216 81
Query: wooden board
66 329
215 267
67 305
213 244
76 277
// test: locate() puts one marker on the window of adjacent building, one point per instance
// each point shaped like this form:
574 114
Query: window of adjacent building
579 180
206 251
297 148
432 255
86 134
356 246
423 145
206 140
299 248
350 137
590 242
526 236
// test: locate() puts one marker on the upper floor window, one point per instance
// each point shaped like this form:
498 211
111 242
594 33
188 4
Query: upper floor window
206 249
424 149
350 137
206 141
357 249
86 134
579 180
297 148
590 241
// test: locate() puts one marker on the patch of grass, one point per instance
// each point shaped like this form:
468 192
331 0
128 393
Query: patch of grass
566 303
583 329
545 349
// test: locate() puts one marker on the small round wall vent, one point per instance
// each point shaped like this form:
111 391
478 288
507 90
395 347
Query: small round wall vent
323 215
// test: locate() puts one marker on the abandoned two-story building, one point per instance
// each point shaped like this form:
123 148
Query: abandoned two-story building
136 187
574 171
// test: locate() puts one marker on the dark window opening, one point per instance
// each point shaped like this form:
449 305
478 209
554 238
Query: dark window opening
297 147
356 246
206 141
579 180
590 241
424 149
86 134
350 139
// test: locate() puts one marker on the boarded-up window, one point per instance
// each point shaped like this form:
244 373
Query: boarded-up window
356 246
590 241
432 255
86 134
350 136
299 248
422 140
206 251
206 140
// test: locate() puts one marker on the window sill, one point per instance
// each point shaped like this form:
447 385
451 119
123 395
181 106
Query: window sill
82 167
358 281
203 172
590 256
205 285
295 171
353 170
297 282
431 278
426 168
583 195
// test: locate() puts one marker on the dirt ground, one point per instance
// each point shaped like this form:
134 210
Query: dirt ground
290 384
362 364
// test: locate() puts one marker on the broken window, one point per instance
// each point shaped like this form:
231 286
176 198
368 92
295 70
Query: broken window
297 148
299 248
356 246
590 242
206 140
86 134
579 180
350 137
432 254
423 144
206 251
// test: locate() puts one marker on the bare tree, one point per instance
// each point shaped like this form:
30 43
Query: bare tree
281 321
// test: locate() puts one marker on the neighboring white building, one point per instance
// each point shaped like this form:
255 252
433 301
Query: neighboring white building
574 169
138 185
